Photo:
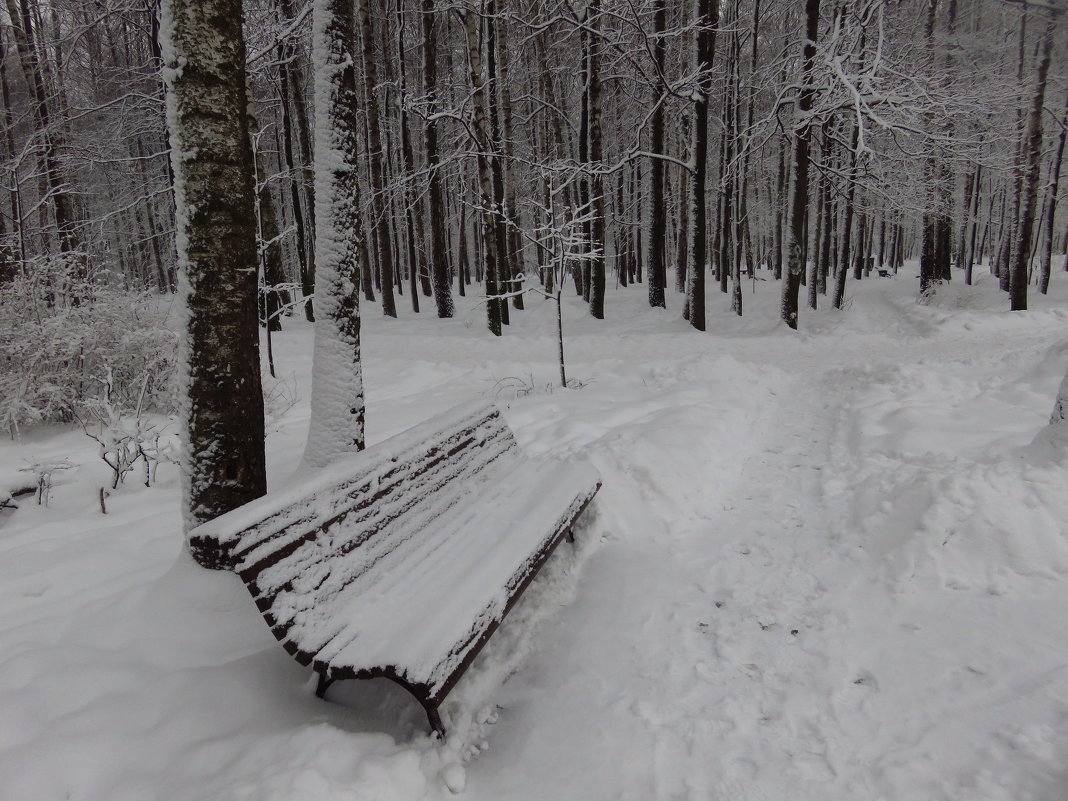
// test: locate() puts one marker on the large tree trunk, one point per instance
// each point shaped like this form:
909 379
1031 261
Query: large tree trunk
222 407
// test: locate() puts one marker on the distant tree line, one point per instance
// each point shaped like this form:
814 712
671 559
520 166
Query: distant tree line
928 129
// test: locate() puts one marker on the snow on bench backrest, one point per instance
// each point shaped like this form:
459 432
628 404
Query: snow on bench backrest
275 539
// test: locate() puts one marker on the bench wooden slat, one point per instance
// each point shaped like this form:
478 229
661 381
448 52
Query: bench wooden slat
271 571
363 538
370 496
298 509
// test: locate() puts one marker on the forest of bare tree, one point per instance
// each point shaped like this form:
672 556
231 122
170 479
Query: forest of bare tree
710 348
502 147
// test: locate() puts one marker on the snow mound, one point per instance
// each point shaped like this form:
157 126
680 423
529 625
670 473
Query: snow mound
322 763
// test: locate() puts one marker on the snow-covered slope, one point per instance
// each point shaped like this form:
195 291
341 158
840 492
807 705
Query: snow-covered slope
829 565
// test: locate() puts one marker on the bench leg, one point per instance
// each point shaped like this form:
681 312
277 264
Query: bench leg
571 534
434 719
321 687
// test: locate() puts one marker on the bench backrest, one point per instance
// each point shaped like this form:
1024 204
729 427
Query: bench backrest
286 537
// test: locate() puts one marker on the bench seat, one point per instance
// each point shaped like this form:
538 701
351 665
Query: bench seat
401 561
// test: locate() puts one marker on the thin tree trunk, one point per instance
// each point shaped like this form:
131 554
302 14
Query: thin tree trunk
506 268
705 46
408 163
799 196
294 172
657 271
1051 206
1032 151
847 225
269 245
969 260
304 217
376 157
596 155
439 262
472 20
33 65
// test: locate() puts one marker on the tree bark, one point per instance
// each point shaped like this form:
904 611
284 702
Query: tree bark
33 65
847 225
1051 206
705 46
376 158
439 261
297 110
1032 151
222 407
597 227
657 270
472 19
799 193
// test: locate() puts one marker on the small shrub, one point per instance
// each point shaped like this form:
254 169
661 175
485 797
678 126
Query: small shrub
42 474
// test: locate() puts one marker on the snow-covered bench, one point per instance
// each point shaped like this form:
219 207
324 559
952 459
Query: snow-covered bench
401 561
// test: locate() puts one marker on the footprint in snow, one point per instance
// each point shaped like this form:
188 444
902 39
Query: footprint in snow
855 694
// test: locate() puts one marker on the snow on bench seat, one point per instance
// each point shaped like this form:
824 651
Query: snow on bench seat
401 561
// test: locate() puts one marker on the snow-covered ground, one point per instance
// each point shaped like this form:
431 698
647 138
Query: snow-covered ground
826 565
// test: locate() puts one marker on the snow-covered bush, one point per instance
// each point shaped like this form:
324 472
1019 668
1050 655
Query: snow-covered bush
71 338
42 477
126 439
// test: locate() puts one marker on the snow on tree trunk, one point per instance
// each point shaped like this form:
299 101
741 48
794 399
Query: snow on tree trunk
337 410
1060 407
221 396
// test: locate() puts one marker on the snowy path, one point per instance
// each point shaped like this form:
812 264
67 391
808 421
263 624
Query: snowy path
691 693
